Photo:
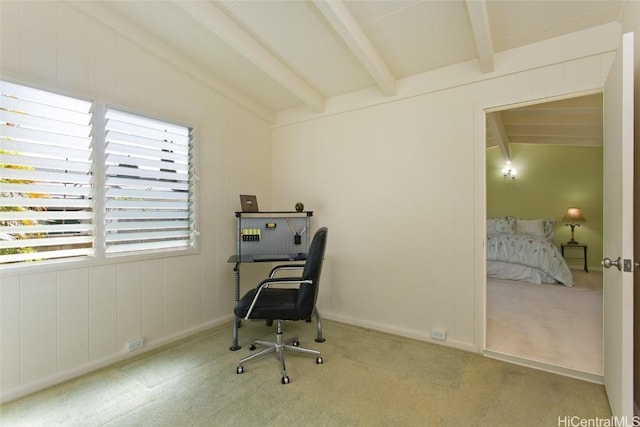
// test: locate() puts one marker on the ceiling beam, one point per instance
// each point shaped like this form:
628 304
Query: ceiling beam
226 29
479 18
149 42
337 14
496 125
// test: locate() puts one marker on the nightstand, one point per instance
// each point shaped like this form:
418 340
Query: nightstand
578 245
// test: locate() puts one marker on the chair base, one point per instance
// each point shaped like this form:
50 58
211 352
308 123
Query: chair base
279 347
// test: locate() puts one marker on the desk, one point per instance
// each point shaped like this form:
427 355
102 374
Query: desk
274 236
576 245
248 259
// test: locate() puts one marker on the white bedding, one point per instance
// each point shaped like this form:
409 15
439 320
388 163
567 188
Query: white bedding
532 258
504 270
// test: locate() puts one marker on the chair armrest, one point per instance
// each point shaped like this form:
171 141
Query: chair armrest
268 282
288 267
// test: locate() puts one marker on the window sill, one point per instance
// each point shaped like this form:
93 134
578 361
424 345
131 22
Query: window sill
88 262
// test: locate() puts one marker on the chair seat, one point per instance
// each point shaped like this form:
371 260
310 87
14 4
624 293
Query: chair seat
275 304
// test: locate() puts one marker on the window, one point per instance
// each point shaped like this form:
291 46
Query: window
49 194
148 184
46 180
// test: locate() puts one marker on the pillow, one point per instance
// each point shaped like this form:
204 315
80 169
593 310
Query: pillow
500 225
548 228
530 226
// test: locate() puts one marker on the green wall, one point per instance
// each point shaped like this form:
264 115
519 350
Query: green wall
550 179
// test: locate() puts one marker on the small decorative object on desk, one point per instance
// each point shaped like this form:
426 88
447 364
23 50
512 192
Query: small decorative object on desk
299 207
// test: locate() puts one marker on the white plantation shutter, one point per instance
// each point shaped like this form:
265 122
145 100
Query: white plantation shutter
148 184
46 194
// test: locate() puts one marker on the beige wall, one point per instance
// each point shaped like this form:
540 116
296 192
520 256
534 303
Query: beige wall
57 322
400 185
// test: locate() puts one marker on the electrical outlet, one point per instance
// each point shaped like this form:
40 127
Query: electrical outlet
439 334
135 344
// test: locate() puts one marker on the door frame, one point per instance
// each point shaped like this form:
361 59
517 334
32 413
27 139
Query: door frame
481 108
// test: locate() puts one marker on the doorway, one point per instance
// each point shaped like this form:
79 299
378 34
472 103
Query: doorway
555 149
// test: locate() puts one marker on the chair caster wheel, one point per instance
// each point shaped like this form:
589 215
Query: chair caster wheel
295 343
239 370
319 361
284 380
252 347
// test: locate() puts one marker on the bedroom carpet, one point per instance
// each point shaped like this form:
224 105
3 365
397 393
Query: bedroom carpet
553 324
367 379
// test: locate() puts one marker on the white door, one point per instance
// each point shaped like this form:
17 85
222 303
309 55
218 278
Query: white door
618 232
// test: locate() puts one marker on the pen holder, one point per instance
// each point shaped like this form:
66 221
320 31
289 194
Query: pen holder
297 239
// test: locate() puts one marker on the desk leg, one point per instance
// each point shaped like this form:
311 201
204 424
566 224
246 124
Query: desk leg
236 295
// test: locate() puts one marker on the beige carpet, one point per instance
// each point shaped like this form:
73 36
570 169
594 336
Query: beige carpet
548 323
367 379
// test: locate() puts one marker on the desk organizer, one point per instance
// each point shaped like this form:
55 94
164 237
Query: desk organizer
273 233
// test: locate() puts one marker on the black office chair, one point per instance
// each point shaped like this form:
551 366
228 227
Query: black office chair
270 303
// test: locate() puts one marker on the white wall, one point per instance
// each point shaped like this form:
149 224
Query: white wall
58 322
400 184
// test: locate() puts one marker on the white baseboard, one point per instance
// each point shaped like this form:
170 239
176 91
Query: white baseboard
403 332
59 377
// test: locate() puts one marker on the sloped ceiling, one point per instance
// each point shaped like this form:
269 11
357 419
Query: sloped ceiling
286 54
573 121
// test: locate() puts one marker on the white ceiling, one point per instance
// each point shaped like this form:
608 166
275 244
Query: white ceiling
286 54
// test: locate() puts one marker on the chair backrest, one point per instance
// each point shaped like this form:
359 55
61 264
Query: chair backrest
308 293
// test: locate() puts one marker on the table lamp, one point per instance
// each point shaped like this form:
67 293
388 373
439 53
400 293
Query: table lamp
573 215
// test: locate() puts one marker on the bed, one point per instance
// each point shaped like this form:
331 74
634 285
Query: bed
522 249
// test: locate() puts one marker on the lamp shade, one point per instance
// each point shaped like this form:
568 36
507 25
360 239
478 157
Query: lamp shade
574 214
